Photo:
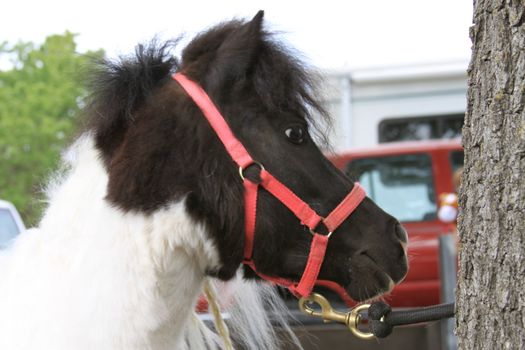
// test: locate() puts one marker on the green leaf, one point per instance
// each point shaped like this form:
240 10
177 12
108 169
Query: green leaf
40 98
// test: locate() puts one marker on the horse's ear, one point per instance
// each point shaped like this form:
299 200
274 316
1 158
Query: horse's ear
238 51
257 20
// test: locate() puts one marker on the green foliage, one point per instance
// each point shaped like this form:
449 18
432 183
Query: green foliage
41 95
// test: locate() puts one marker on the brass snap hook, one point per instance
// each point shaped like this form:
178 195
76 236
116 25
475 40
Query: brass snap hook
351 319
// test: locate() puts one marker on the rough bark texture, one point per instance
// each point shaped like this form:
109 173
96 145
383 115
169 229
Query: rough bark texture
491 290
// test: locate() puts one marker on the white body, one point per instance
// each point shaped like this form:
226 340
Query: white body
94 277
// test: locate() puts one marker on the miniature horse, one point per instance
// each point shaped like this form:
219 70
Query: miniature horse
149 206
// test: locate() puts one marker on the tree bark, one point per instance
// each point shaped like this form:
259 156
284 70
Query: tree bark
491 287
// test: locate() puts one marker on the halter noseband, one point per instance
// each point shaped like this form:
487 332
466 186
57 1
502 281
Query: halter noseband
298 207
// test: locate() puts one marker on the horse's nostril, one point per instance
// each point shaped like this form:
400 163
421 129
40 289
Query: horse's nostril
401 233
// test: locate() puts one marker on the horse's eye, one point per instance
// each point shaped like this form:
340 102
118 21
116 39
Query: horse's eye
295 134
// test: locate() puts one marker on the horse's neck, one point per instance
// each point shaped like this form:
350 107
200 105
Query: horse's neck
95 277
152 266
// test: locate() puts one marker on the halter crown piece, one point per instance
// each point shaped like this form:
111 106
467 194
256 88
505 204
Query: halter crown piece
298 207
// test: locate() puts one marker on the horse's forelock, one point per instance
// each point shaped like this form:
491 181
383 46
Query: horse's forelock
280 78
285 83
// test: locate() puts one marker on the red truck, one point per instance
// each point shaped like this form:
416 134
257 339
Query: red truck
406 180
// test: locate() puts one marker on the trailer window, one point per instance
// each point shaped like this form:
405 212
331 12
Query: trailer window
421 128
401 185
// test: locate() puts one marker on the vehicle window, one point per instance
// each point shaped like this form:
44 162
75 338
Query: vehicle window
456 160
421 128
403 185
8 227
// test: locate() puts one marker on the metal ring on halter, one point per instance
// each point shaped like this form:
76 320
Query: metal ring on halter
316 225
327 235
241 169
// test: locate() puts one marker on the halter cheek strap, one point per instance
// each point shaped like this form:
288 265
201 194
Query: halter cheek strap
306 215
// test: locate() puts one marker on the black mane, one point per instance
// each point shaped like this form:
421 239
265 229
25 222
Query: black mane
123 85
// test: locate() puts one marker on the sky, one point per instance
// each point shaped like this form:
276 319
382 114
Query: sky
349 34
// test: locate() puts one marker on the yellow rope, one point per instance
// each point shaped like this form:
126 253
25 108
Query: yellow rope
217 317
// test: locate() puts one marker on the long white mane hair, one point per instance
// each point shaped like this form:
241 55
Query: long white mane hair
95 277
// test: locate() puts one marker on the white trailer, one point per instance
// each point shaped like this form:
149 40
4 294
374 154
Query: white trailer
370 106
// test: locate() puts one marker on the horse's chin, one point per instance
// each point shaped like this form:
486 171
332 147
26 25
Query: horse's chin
371 287
369 279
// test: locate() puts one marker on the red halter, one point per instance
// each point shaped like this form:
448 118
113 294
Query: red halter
302 210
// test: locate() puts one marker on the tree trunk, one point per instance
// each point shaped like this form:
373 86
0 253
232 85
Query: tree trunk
491 287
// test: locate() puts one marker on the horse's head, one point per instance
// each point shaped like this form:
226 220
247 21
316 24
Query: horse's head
159 149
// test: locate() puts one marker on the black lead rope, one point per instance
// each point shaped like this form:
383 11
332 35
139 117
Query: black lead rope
382 320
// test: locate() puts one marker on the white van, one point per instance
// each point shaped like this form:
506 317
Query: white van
10 223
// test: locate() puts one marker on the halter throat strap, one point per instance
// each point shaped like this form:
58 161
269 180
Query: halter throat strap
306 215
